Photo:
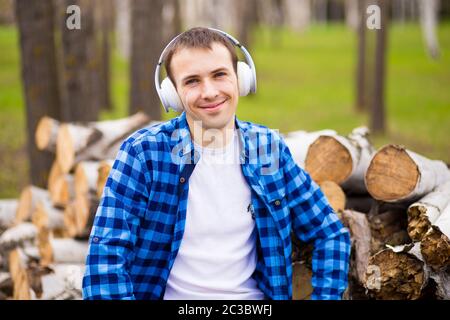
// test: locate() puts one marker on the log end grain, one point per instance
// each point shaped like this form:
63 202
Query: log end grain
392 174
65 151
43 133
328 159
418 224
394 276
334 194
435 248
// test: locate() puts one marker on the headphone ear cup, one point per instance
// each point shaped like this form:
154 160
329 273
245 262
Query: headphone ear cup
245 76
170 97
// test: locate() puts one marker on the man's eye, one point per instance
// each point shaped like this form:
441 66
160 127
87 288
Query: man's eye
220 74
191 81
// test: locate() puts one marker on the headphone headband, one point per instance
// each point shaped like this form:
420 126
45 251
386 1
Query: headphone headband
236 43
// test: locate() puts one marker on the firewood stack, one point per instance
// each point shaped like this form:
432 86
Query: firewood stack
396 207
395 203
44 233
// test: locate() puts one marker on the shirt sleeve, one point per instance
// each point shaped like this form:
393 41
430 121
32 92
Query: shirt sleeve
115 228
313 220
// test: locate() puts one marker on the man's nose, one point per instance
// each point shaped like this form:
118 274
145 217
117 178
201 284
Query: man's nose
209 90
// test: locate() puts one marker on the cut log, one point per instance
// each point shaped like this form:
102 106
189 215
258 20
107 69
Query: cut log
298 143
334 194
397 174
91 141
103 173
55 173
63 282
360 234
301 281
388 228
343 160
79 216
435 245
28 201
423 214
62 190
48 216
19 275
18 236
60 250
395 276
46 134
86 177
8 209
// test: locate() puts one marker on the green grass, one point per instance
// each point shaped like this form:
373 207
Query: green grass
305 81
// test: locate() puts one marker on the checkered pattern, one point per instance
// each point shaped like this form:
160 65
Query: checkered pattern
140 221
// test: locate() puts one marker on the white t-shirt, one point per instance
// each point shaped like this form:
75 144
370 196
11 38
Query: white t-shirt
217 255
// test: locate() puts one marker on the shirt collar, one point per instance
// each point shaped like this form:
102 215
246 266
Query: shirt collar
184 137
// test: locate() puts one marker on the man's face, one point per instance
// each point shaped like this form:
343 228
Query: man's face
207 85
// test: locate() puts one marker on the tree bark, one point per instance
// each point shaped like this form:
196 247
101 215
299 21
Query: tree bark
146 47
377 117
35 24
81 63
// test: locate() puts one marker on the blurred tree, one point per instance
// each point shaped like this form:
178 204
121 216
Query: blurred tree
246 21
104 25
429 19
81 61
146 47
377 102
123 26
361 58
39 77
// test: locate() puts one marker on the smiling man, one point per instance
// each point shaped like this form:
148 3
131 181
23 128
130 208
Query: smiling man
203 206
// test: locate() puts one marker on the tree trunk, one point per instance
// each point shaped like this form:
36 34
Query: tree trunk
429 16
146 47
18 236
396 174
377 117
361 68
334 194
81 63
35 23
103 173
123 26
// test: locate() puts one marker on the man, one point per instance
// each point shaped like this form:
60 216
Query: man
202 206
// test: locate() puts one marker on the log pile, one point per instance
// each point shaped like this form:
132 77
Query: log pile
396 207
395 203
44 233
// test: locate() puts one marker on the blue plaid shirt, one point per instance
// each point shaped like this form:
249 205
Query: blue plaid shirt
140 221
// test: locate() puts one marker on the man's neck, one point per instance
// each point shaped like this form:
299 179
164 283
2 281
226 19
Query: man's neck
211 137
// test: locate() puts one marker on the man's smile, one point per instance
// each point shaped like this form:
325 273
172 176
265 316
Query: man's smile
213 106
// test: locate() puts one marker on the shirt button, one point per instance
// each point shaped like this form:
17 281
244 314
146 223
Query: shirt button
277 203
95 239
182 179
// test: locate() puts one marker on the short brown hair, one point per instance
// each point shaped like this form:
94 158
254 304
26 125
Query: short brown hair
198 38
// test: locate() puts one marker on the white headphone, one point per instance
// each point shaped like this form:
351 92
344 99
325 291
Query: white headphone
246 75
